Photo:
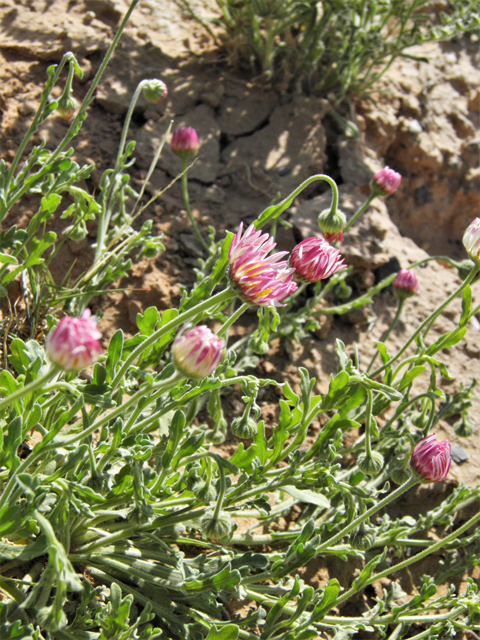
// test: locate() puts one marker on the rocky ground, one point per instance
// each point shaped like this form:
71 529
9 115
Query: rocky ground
423 120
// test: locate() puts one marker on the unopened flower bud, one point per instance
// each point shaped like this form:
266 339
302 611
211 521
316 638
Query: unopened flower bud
405 284
385 182
67 105
332 223
370 465
197 352
244 427
363 539
464 268
215 436
431 459
471 240
191 479
315 259
465 427
258 345
184 142
399 475
216 528
155 91
204 491
74 343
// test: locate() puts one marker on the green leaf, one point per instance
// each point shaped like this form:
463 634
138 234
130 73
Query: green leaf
228 632
148 321
5 258
305 495
466 306
411 375
329 596
115 349
447 340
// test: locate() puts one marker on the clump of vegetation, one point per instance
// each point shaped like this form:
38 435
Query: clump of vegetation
338 46
119 517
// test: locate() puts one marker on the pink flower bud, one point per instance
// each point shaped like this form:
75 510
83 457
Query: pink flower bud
405 284
315 259
197 352
67 105
471 240
332 223
184 142
155 91
259 279
431 459
386 182
74 343
333 237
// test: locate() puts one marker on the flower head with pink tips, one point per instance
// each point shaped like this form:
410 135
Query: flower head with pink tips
74 343
259 279
197 352
431 458
386 181
315 259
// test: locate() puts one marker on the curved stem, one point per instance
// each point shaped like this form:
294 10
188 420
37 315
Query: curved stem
186 200
388 331
223 296
274 211
29 388
363 208
88 98
431 318
68 84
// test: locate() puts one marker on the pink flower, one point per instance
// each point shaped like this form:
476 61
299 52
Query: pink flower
387 181
74 343
184 142
315 259
431 459
197 352
471 240
258 279
405 284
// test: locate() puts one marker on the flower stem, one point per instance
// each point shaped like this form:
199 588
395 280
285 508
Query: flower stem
186 200
363 208
368 425
30 388
223 296
228 323
419 556
365 516
88 98
105 216
388 331
164 386
431 318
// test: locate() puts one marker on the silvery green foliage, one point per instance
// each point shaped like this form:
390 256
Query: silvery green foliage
123 520
335 46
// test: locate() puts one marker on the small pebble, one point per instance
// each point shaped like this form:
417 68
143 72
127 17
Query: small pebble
458 454
415 126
